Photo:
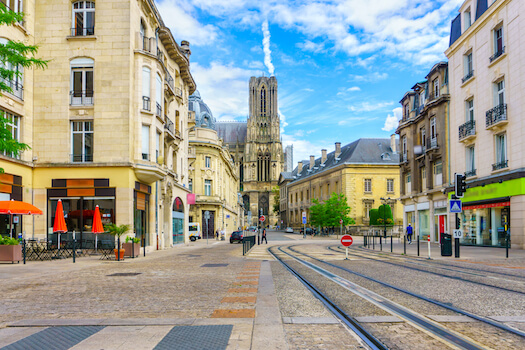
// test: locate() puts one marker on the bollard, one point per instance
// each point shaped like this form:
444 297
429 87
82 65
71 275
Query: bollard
391 244
144 244
374 242
380 243
132 250
24 250
429 246
456 247
405 244
74 250
507 244
417 245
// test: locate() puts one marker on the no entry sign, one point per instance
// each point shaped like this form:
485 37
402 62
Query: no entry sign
262 218
347 240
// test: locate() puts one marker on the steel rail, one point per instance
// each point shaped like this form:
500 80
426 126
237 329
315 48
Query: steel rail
417 320
430 300
349 321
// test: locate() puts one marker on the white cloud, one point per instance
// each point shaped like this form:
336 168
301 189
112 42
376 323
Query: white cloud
369 107
303 149
372 77
266 47
354 88
392 120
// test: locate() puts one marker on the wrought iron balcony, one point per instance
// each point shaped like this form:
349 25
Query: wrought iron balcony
467 130
160 55
178 92
467 76
501 165
80 31
169 125
496 115
146 103
433 96
497 54
81 97
81 158
17 89
159 109
432 143
404 159
169 80
470 173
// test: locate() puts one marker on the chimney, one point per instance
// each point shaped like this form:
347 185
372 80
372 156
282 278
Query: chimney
393 143
185 48
299 167
337 149
312 162
323 156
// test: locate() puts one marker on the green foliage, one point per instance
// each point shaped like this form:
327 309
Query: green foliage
8 241
329 213
117 230
374 215
380 215
132 239
317 213
276 207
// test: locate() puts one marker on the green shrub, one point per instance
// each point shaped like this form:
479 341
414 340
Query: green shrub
132 239
8 241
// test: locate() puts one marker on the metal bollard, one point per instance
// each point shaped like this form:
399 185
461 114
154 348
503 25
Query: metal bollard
417 245
24 250
507 245
391 244
405 244
74 251
374 242
380 243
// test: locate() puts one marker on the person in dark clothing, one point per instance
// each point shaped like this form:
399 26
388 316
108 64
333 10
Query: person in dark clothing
264 236
410 231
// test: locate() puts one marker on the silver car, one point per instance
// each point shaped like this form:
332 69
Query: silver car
289 230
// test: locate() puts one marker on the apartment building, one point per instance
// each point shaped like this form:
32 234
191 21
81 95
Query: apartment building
106 120
486 130
423 137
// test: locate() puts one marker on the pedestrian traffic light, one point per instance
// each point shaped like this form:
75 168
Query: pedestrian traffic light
458 222
460 186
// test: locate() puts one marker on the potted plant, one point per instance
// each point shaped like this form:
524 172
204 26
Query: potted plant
132 246
117 230
10 249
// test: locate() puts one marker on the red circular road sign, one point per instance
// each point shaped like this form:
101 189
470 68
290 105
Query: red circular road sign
347 240
341 221
262 218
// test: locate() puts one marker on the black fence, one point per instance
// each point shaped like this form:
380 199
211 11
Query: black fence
247 243
33 250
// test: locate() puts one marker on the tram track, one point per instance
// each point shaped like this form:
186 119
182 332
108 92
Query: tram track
381 260
416 319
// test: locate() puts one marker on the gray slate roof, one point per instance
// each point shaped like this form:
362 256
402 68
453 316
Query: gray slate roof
362 151
232 132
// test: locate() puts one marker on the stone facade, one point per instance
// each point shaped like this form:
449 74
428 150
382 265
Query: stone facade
110 110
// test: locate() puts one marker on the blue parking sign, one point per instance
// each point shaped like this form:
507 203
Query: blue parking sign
304 221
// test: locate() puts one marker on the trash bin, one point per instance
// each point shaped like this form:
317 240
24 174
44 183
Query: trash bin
446 244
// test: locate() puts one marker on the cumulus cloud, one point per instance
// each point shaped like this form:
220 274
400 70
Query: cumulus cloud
354 88
266 47
372 77
392 120
369 107
303 148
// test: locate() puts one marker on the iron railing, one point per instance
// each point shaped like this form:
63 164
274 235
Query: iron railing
146 103
247 243
501 165
17 89
467 76
470 173
497 54
496 115
159 109
432 142
80 31
82 158
178 92
169 125
433 96
169 80
467 129
81 98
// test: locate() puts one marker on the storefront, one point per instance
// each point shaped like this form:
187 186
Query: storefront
483 224
141 196
10 188
177 217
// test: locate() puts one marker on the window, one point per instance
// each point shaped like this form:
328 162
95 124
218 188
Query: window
263 101
157 146
16 84
390 185
499 98
81 141
146 88
438 173
328 190
471 162
158 94
368 185
435 88
207 187
468 67
433 131
470 110
423 178
291 198
13 128
367 208
405 152
405 111
498 41
423 135
408 183
207 162
466 17
13 5
422 98
190 185
82 82
145 142
501 152
83 20
337 187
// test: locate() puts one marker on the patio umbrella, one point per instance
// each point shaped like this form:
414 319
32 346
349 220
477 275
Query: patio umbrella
97 225
59 226
13 207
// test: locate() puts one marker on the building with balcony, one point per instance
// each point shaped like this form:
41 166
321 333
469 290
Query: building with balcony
365 171
423 131
106 120
486 132
212 175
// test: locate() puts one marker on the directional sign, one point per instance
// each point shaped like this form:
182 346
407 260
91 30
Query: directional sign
455 206
262 218
347 240
458 234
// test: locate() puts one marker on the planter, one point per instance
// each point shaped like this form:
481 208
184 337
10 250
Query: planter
131 249
11 253
121 254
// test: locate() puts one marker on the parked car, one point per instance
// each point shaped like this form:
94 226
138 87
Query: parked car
252 229
289 230
236 236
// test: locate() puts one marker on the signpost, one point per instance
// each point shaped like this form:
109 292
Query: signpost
262 218
455 207
341 223
347 241
206 217
304 224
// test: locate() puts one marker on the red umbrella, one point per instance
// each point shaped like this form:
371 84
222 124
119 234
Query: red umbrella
97 225
59 225
13 207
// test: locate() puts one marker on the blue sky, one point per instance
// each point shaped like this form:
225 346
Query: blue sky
342 66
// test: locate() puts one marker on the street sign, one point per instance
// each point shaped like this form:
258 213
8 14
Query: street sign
347 240
458 233
304 220
455 205
341 221
262 218
206 215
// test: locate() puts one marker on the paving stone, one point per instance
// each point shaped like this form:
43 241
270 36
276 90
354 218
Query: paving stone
239 300
233 313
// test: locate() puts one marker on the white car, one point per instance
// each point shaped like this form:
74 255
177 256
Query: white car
289 230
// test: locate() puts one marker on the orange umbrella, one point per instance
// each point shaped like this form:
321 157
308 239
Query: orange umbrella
13 207
97 225
59 225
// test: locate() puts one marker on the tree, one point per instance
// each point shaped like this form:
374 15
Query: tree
329 213
276 200
317 213
13 56
378 216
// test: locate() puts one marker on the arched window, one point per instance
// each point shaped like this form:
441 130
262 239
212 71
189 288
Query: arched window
82 82
83 19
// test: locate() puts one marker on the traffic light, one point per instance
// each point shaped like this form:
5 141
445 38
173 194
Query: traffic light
458 222
460 186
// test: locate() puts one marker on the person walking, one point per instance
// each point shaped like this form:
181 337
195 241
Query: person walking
410 231
264 236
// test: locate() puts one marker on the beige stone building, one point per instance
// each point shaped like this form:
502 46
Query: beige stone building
212 175
365 171
423 134
106 120
486 122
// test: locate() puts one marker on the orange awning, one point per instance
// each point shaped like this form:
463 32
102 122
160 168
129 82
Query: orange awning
97 222
17 207
60 222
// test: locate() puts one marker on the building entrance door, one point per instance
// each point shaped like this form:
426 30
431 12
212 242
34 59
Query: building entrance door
208 229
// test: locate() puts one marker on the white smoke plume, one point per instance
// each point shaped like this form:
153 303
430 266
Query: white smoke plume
266 47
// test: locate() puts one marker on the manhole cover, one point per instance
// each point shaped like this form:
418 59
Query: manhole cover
124 274
214 265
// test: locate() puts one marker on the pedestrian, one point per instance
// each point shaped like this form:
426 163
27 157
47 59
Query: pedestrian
264 236
217 234
409 233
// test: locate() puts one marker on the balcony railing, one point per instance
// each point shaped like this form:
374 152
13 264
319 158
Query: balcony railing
404 159
433 96
467 129
145 156
470 173
496 115
169 125
79 31
16 87
149 44
501 165
81 158
420 109
497 54
81 97
467 76
146 103
433 142
178 92
159 109
169 80
160 55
